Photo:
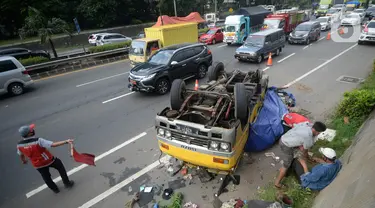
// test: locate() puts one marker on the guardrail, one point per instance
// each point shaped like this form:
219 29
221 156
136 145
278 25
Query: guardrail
77 58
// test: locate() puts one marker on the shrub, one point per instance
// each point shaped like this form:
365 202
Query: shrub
357 103
33 60
108 47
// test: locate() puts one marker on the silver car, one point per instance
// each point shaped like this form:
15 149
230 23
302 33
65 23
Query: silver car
109 38
368 33
13 76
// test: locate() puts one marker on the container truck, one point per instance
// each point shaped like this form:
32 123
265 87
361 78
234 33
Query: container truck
244 22
286 20
159 37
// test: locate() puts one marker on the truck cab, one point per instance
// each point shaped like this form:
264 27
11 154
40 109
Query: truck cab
141 50
237 28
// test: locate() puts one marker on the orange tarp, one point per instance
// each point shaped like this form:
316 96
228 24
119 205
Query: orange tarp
192 17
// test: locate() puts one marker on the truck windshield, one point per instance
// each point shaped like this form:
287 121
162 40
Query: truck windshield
303 28
272 23
137 48
231 28
254 40
323 7
161 57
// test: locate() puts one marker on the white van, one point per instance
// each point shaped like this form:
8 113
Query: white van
13 76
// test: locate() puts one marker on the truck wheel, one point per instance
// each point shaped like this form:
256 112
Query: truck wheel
162 86
240 102
215 71
178 94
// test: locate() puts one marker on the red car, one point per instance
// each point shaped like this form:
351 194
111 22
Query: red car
213 36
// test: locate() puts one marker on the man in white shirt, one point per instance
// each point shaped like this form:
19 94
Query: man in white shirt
301 136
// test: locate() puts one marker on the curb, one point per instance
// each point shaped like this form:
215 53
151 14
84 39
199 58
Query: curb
76 67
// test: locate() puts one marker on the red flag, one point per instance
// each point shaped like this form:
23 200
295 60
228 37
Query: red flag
86 158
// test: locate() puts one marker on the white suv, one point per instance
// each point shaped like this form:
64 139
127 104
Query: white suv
13 76
368 33
92 38
109 38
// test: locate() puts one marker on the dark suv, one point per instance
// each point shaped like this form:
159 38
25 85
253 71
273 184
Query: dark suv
305 33
23 53
181 61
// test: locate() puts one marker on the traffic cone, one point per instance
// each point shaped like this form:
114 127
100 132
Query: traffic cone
341 31
329 36
196 85
269 62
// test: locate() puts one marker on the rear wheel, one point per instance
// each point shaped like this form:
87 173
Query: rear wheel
240 102
16 88
215 71
162 86
178 94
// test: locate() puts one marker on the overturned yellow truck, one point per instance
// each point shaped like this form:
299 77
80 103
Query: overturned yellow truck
160 37
209 127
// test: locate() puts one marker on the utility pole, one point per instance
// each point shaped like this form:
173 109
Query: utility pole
215 6
175 9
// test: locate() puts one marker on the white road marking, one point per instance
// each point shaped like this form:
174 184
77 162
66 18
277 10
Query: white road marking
305 47
76 169
266 68
322 38
286 57
118 97
123 183
319 67
221 46
98 80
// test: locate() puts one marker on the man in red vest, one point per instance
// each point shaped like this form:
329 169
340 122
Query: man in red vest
35 149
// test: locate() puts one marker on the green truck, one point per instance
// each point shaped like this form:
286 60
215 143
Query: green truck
324 5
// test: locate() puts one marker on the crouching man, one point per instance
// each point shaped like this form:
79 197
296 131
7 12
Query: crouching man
320 175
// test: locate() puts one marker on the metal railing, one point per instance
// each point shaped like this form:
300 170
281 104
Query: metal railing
77 58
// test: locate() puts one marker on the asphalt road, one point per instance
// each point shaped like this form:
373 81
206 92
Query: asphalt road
95 108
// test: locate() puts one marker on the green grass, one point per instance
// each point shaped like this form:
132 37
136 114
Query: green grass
107 47
33 60
345 133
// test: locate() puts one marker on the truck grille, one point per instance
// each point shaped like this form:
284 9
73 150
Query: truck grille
189 140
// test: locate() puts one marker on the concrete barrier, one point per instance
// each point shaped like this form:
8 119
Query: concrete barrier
354 186
80 39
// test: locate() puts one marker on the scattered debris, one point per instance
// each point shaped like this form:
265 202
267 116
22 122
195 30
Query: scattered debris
167 194
157 189
346 120
190 205
130 189
142 188
177 184
327 135
148 189
120 160
204 175
131 203
184 171
188 176
232 188
145 198
273 165
229 204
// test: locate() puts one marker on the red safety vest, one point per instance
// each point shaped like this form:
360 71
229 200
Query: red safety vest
39 156
290 119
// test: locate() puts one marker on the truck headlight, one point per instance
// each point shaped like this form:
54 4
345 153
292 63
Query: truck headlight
161 132
168 134
224 146
214 145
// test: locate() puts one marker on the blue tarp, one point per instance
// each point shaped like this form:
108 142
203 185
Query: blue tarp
268 125
354 2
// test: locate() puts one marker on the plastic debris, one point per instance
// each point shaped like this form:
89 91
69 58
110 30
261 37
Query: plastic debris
142 188
130 189
184 171
190 205
273 164
188 177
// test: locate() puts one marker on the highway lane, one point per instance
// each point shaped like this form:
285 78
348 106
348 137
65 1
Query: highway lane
122 118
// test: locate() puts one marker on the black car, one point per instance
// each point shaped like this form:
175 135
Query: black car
23 53
181 61
305 32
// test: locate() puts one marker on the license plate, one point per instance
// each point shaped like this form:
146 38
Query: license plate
133 82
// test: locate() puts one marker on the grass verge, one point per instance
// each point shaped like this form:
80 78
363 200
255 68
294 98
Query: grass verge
108 47
346 120
33 60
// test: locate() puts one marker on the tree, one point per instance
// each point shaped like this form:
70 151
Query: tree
37 24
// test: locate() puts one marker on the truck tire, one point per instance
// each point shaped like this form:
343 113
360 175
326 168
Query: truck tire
215 71
178 91
240 102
